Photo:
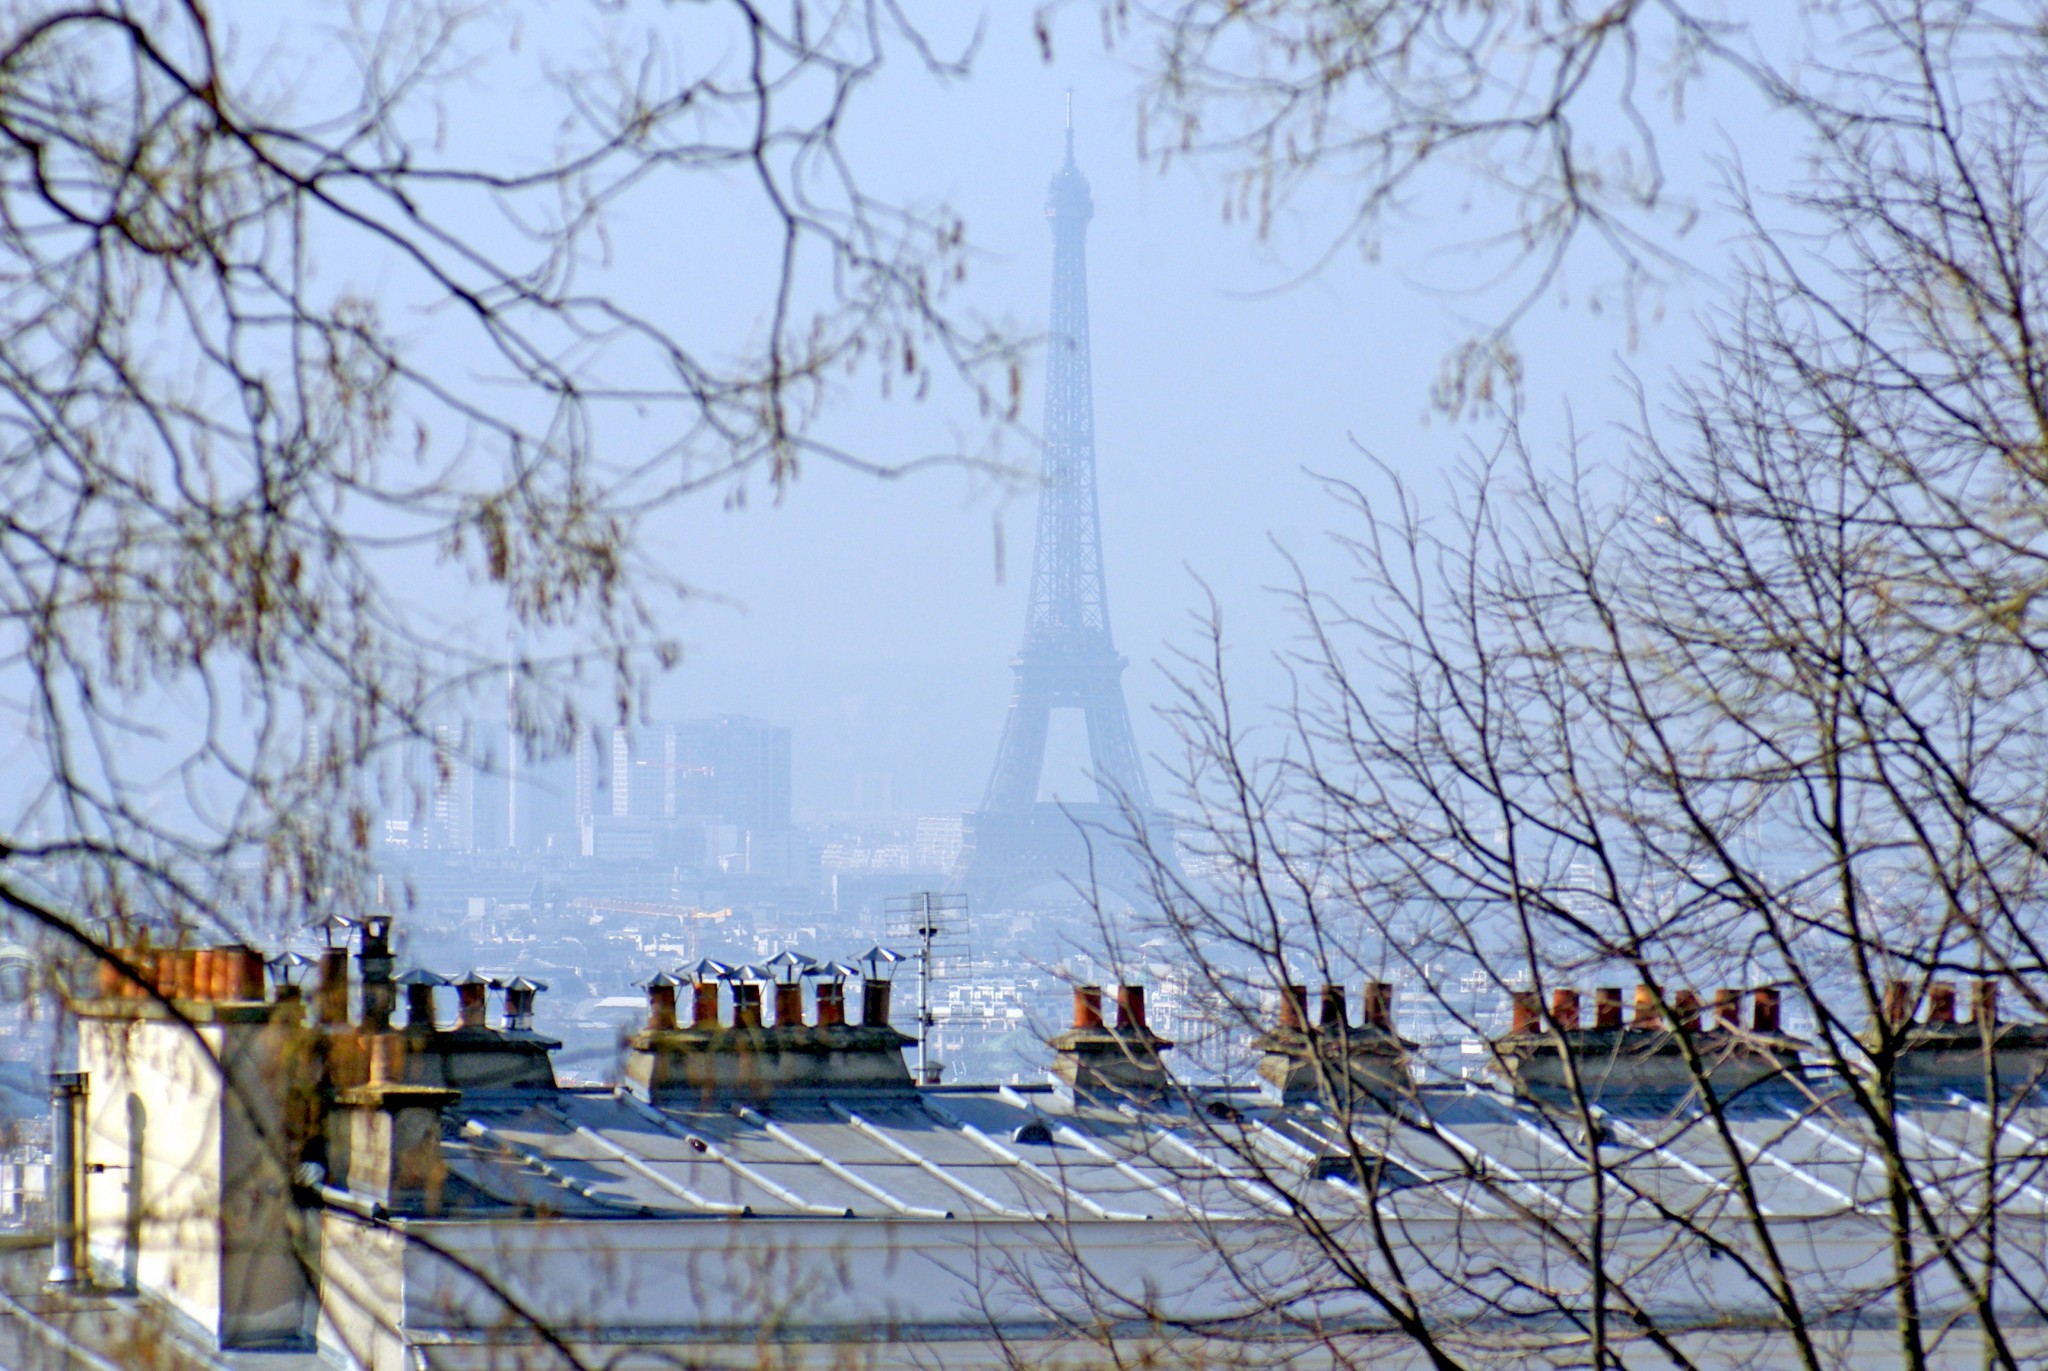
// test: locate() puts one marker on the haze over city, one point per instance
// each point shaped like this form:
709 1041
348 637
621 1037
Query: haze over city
906 684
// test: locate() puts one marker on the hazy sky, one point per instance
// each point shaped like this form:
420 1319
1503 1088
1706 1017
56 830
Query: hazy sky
869 616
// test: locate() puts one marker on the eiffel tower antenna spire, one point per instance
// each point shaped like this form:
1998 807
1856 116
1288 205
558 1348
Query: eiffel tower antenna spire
1069 659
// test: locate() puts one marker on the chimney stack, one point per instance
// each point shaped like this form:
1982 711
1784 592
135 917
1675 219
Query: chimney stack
1122 1061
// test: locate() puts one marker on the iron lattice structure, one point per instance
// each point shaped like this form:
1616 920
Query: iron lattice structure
1069 659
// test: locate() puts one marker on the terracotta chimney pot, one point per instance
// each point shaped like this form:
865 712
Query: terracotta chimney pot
1293 1004
789 1005
1898 1003
1728 1008
1607 1007
704 1005
185 973
1646 1008
1941 1003
1087 1006
661 1008
1528 1012
1333 1015
1130 1008
332 997
1564 1007
164 969
746 1006
1764 1018
245 975
831 1005
472 1005
1379 1005
1984 1004
111 980
1686 1008
874 1004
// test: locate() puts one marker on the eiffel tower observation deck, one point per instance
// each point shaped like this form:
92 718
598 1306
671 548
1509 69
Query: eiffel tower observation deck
1017 846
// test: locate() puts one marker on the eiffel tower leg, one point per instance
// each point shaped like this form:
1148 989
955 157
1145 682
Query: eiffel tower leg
1020 759
1113 751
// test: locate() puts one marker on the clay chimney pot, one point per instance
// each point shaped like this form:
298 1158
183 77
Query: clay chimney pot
1528 1012
1941 1003
831 1005
1130 1008
1087 1006
1607 1007
1984 1004
1686 1009
789 1006
1379 1005
1727 1007
1293 1004
1564 1007
1764 1018
1898 1003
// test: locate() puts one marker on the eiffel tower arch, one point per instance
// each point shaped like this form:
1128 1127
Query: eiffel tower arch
1015 844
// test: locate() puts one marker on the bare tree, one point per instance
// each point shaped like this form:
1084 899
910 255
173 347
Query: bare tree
1768 719
300 307
313 318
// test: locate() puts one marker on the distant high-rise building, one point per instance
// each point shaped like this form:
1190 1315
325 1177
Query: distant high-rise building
743 765
724 774
451 790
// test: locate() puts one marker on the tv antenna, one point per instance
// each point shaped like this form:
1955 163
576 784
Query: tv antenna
937 925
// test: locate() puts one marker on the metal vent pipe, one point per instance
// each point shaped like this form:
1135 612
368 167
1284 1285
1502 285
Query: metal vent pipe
67 1178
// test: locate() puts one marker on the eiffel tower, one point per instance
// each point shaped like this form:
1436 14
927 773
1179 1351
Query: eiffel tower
1013 843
